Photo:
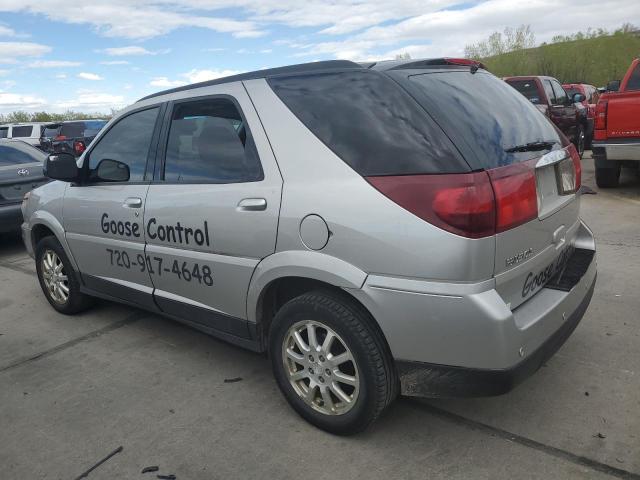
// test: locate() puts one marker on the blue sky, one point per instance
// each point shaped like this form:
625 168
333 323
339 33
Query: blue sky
102 54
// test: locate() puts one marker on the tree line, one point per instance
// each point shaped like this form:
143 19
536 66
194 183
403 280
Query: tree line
21 116
593 56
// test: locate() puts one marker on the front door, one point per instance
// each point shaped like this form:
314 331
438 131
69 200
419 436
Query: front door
563 111
212 214
103 219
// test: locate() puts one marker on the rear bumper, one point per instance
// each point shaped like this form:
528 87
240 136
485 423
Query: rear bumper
428 380
608 150
10 218
462 339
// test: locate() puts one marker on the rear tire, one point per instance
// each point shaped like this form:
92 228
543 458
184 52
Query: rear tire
580 141
340 397
608 177
58 279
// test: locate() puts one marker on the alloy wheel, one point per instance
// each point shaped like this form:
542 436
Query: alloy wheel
320 367
55 277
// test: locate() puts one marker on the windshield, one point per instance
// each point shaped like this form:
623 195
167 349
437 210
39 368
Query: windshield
486 118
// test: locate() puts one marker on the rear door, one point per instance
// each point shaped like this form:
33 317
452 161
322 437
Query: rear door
103 220
498 130
212 213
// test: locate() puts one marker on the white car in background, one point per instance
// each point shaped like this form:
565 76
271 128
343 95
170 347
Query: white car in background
27 132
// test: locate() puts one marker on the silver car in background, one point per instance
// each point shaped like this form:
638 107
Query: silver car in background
397 227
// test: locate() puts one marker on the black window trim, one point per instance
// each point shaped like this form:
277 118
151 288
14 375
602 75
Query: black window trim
151 156
161 156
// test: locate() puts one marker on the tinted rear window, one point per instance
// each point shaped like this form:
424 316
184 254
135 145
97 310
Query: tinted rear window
23 131
369 122
4 132
528 88
50 132
484 116
14 156
81 129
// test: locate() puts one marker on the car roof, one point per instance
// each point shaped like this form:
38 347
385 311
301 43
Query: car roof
310 68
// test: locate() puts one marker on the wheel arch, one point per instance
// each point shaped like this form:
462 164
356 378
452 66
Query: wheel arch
42 224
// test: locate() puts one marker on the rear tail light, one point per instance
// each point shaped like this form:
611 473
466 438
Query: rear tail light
473 205
577 165
516 195
78 147
601 114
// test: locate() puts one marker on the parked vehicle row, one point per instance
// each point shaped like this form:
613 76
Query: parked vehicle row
64 137
407 227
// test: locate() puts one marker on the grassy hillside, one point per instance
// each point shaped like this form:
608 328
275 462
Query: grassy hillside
593 60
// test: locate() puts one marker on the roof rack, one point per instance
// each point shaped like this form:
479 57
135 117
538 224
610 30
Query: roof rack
291 69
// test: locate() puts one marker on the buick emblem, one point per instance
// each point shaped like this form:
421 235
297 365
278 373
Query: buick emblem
23 172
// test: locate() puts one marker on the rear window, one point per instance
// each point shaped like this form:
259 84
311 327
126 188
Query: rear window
13 156
81 129
370 122
50 132
634 80
528 88
572 91
22 131
4 132
484 116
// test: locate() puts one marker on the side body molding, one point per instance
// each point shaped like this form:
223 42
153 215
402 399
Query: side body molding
300 263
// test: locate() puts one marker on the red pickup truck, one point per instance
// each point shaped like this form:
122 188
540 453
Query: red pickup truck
616 140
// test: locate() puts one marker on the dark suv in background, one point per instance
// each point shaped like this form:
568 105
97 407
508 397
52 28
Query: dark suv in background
565 111
70 137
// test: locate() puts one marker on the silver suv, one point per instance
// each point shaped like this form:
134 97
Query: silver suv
398 227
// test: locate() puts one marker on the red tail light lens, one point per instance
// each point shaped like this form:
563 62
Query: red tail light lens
473 205
577 164
601 114
463 204
78 147
516 195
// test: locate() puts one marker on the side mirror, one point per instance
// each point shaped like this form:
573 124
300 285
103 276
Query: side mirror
578 98
61 166
613 86
112 171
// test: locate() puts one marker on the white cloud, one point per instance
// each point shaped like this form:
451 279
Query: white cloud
164 82
4 72
61 76
115 62
131 51
11 52
10 101
53 64
195 76
89 76
92 101
7 32
134 20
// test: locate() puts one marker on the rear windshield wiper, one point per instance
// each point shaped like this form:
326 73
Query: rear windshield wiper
531 147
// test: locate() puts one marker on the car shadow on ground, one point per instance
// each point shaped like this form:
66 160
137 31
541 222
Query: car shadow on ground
11 244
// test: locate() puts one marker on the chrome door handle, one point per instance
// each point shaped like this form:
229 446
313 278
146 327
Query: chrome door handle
252 204
132 202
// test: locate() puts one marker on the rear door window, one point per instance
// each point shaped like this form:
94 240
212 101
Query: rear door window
484 116
22 131
4 132
370 122
209 142
528 88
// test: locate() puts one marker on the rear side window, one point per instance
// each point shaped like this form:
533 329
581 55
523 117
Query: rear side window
484 116
4 132
528 88
370 122
209 142
561 95
13 156
634 80
72 130
22 131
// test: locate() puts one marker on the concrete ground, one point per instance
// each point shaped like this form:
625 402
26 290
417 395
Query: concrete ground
73 389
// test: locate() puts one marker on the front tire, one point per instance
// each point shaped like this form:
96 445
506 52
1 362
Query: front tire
331 363
57 278
580 141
